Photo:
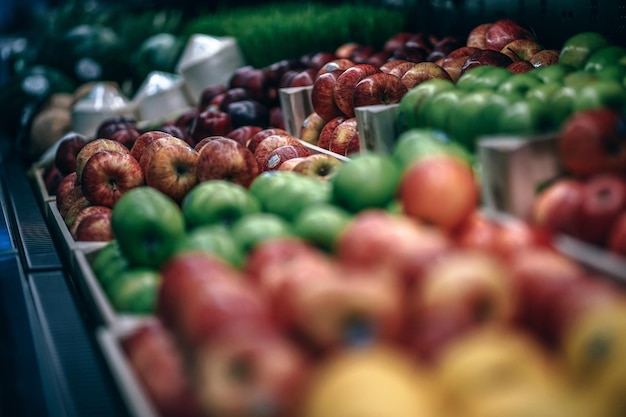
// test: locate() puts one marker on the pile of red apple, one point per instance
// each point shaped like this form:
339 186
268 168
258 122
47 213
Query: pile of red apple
589 201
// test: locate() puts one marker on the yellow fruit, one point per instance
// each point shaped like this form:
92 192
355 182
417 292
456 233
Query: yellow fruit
371 382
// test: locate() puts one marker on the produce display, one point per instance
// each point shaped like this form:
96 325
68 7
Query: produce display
275 275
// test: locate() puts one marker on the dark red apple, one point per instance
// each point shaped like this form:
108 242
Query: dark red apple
243 134
503 31
210 123
557 206
282 154
345 86
67 150
323 95
227 159
423 71
486 57
616 241
603 200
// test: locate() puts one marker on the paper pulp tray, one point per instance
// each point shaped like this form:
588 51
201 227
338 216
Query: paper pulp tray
137 402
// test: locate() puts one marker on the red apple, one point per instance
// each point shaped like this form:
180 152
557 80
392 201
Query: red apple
346 50
172 170
396 41
477 38
603 200
108 175
91 148
157 362
319 165
276 117
269 144
298 78
52 177
290 164
208 94
557 206
318 59
454 61
249 370
520 67
516 234
326 134
503 31
521 49
345 138
157 144
226 159
143 140
379 238
340 64
200 293
593 141
616 241
311 128
210 123
545 57
88 211
423 71
282 154
112 124
244 133
260 136
68 191
66 152
126 136
345 86
76 207
323 95
379 88
439 190
486 57
478 232
397 67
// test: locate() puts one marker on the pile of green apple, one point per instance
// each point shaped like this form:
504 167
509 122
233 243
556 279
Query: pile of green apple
492 100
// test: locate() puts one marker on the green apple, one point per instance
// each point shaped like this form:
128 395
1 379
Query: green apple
435 110
419 143
108 263
612 73
562 104
579 78
467 80
607 56
464 125
493 108
368 180
526 117
411 101
601 93
135 291
579 47
519 84
147 225
289 198
543 92
554 73
489 79
321 225
255 228
217 201
216 239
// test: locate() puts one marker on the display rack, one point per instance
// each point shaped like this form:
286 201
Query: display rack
51 363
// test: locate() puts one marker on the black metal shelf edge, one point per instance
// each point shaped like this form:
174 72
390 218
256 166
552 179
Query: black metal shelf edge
33 238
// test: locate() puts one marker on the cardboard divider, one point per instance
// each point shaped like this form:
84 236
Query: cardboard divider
377 127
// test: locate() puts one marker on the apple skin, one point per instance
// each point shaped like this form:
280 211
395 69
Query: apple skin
260 136
143 140
210 123
91 148
68 191
108 175
112 124
243 134
326 134
323 95
478 232
311 128
544 58
557 206
320 166
52 177
247 368
247 112
265 148
398 67
520 67
87 211
67 150
477 37
379 88
154 146
421 72
126 136
277 117
158 364
227 159
503 31
377 238
298 78
76 207
616 241
345 137
344 88
439 190
94 228
282 154
172 170
453 62
200 293
290 164
521 49
208 94
486 57
604 198
592 141
340 64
